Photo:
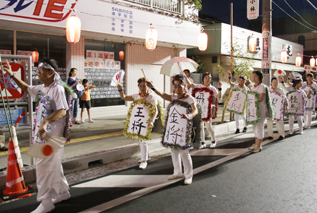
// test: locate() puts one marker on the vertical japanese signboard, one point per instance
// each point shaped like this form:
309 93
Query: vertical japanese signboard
252 9
236 102
252 108
296 103
178 130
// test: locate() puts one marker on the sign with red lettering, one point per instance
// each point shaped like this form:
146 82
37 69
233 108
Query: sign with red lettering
42 10
13 90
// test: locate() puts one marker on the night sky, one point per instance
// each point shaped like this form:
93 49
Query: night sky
220 9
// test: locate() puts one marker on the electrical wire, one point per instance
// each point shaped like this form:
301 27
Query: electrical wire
312 4
293 17
299 15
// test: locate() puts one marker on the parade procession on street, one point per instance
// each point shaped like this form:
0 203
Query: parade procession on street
156 84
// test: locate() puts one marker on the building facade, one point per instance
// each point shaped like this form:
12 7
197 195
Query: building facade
106 29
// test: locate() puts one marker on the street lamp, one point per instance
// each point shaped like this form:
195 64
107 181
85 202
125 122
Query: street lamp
151 38
202 40
73 28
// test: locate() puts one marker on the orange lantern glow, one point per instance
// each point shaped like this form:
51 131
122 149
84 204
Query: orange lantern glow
202 41
283 57
298 61
312 62
35 56
73 28
252 44
121 55
151 38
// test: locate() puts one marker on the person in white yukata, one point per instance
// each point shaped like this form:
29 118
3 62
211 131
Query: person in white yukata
206 79
180 155
240 85
279 124
144 94
51 183
258 129
296 86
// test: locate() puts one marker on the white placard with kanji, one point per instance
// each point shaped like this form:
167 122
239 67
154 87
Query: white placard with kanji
202 99
295 103
310 102
278 106
138 120
176 126
251 108
237 101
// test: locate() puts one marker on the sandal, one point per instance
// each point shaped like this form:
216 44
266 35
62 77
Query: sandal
76 122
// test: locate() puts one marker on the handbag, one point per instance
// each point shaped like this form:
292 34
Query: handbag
74 95
80 90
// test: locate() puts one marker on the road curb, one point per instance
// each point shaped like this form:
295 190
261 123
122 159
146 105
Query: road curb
80 163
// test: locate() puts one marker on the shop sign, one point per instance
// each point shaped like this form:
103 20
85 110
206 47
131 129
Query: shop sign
42 10
18 116
252 9
13 90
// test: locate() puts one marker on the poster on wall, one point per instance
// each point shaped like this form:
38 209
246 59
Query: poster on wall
101 78
5 52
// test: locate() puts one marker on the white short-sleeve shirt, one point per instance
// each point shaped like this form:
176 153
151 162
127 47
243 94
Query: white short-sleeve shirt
261 89
56 94
215 91
150 99
190 100
245 88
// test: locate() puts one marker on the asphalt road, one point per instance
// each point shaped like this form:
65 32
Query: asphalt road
281 178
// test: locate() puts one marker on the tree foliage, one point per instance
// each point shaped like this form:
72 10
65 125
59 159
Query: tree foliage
200 68
241 63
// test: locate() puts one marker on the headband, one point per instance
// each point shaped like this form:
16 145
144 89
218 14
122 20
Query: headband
45 66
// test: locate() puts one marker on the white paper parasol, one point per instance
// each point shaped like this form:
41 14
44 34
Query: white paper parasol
178 64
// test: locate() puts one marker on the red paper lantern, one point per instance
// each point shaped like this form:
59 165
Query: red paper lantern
73 28
121 55
151 38
35 56
298 61
202 41
252 44
283 57
312 62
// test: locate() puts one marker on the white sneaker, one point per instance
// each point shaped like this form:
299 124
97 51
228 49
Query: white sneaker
202 146
61 197
188 181
45 206
213 144
172 177
82 121
143 165
91 121
291 132
301 132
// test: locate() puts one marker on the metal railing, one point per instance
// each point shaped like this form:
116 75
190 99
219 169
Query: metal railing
167 5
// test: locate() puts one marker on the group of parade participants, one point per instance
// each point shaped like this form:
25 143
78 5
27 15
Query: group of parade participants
196 115
183 126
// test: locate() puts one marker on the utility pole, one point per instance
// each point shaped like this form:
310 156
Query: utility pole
266 40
